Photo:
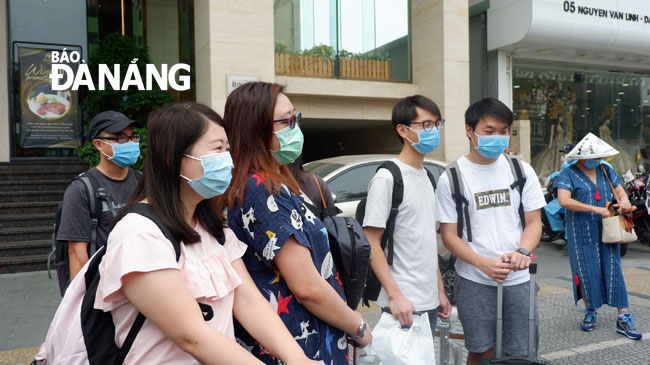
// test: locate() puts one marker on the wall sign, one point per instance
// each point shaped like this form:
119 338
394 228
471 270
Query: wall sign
235 81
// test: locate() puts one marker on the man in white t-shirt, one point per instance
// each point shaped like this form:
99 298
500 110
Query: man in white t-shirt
499 249
413 282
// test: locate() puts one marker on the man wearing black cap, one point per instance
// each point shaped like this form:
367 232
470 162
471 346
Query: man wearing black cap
118 145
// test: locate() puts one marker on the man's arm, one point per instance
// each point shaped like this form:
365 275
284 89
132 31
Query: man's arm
496 268
78 256
400 307
445 305
529 240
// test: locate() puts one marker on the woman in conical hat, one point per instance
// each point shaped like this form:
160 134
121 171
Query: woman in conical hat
584 190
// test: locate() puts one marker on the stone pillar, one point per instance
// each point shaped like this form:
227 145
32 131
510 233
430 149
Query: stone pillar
231 37
440 64
6 125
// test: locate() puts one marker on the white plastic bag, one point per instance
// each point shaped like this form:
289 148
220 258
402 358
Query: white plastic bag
395 345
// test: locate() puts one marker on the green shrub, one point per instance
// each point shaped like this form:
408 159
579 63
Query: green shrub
135 104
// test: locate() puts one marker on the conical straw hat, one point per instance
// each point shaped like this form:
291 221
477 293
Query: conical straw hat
591 147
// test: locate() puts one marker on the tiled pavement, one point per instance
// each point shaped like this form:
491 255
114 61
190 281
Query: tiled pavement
28 302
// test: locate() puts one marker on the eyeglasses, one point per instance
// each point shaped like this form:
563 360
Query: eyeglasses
123 138
292 120
428 125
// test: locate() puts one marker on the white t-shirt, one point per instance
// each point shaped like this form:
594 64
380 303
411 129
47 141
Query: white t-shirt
493 212
415 260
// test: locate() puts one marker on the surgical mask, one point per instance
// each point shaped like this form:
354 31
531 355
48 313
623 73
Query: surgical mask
291 141
216 174
592 164
491 146
428 141
124 154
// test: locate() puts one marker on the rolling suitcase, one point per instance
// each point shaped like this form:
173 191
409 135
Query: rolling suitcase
532 350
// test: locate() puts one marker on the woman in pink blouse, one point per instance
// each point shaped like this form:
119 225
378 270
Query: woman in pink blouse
187 164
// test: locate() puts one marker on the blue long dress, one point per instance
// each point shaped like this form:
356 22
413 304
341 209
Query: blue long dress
264 222
596 266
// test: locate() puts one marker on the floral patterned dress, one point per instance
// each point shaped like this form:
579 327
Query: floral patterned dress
264 222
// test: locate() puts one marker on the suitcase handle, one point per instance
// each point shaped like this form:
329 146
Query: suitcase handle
532 350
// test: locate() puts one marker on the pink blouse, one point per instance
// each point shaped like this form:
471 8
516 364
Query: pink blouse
136 244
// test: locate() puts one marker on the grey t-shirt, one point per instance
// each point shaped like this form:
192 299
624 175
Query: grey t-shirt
75 215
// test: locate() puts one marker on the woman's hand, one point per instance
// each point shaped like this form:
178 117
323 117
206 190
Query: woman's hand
365 340
602 211
303 361
624 206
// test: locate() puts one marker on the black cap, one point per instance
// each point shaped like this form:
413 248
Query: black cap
111 122
568 147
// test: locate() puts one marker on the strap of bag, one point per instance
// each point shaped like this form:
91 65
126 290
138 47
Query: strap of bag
397 196
519 183
462 204
144 210
95 205
611 186
322 198
432 179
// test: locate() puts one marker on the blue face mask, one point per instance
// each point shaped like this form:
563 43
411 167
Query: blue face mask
592 164
492 146
217 172
428 141
124 154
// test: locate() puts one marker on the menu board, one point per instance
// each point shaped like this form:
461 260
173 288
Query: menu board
48 119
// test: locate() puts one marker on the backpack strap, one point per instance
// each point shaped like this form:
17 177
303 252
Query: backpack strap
95 207
144 210
386 242
432 179
519 183
327 211
462 204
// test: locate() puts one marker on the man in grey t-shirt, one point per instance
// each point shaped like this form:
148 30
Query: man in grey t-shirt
118 146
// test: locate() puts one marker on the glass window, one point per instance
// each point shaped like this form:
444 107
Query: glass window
565 102
352 39
353 184
321 169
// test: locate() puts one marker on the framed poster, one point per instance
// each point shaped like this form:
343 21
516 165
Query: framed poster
47 118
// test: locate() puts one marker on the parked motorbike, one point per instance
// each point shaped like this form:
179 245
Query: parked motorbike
638 194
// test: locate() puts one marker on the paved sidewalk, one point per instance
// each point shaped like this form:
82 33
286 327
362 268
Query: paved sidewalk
29 300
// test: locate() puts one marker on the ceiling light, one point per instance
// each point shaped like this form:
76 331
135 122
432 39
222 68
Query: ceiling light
621 92
587 108
587 55
626 84
521 49
545 51
618 99
615 104
516 86
588 91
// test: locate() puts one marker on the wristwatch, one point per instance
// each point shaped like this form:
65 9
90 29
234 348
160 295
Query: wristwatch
523 251
363 328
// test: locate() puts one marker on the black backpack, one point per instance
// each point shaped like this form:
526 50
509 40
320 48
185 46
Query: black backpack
462 204
350 250
97 326
373 286
59 253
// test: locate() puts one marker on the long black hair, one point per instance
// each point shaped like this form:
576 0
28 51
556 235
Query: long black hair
172 131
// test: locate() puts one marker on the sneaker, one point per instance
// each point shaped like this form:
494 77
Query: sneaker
625 327
589 322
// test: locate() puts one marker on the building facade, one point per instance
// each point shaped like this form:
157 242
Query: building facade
344 64
567 68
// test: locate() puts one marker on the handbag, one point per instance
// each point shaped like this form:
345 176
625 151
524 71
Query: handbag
396 345
617 228
350 250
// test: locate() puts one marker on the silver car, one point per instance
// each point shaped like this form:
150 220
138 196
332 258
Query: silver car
348 178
